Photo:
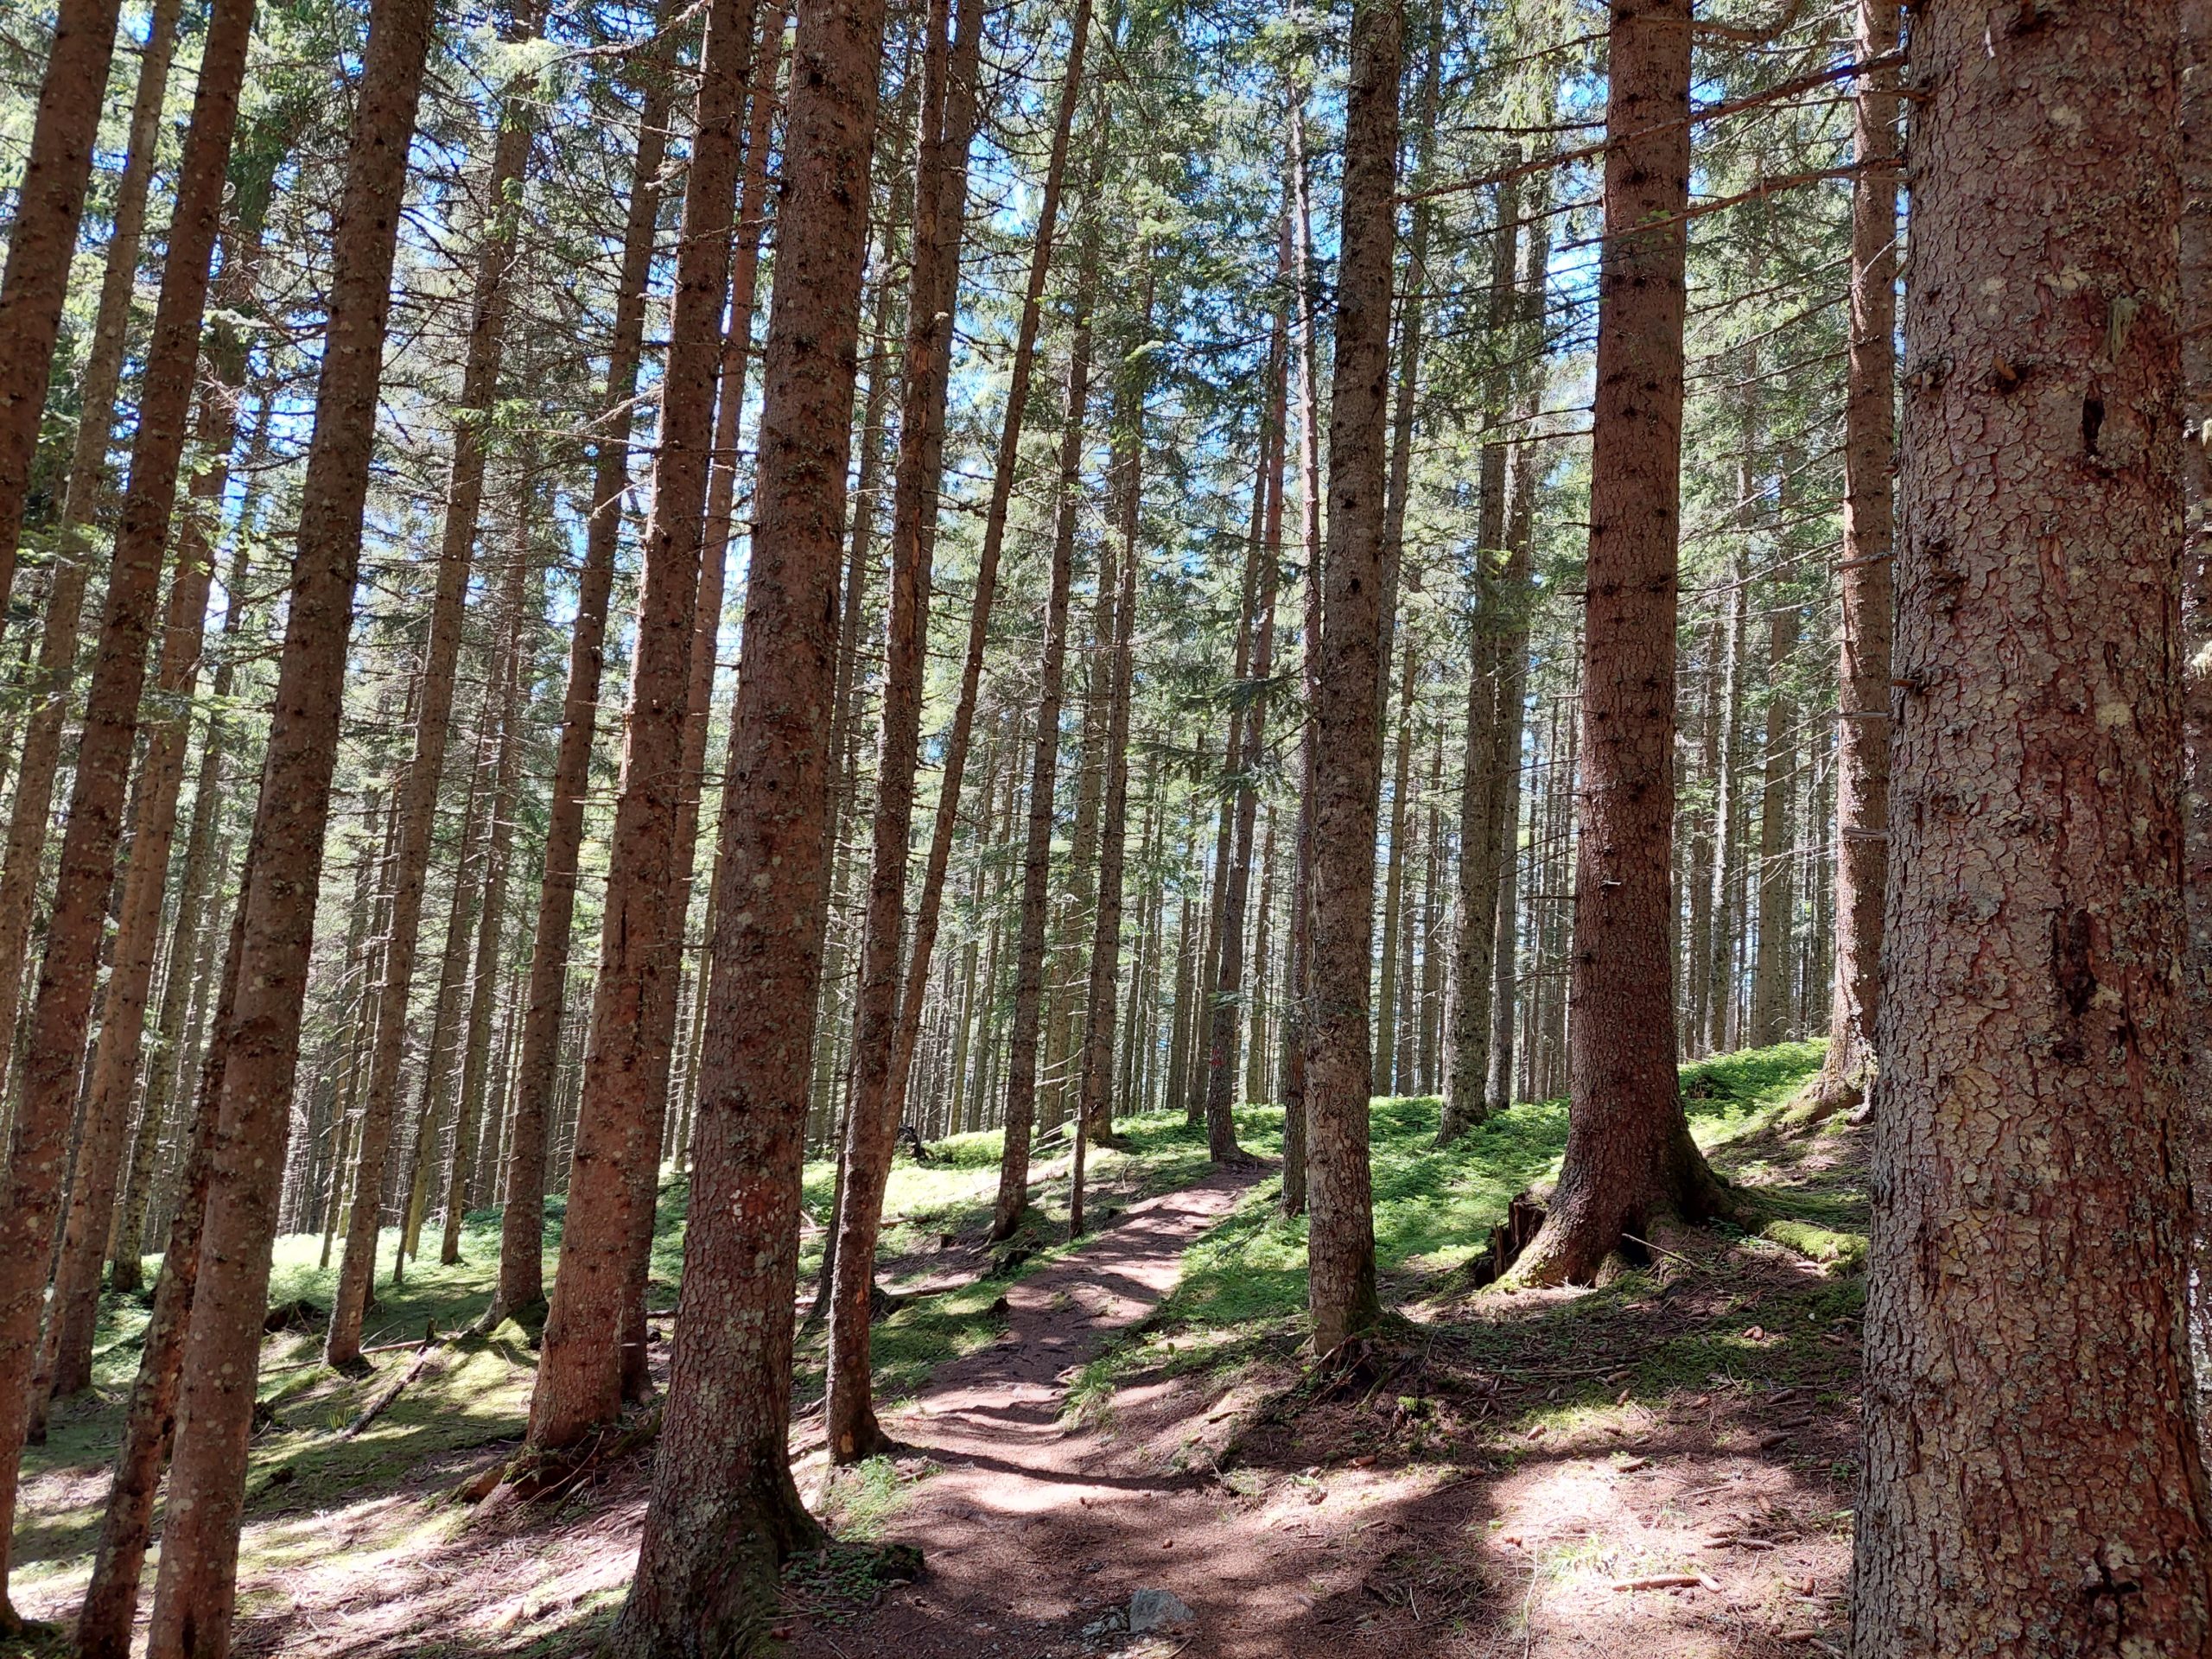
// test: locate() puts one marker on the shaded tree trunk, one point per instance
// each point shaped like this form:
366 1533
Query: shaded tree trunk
2030 1171
1770 971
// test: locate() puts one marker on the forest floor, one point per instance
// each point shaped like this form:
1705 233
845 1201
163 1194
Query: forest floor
1497 1474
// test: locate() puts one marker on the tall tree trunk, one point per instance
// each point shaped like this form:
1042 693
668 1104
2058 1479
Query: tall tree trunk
2029 1175
1226 1016
624 1085
193 1600
1484 789
494 856
1628 1153
1770 972
1394 889
418 791
104 1625
1862 778
1341 1247
1516 595
724 1512
42 238
521 1289
1005 465
1094 1093
879 1070
1718 966
54 1060
54 678
1044 768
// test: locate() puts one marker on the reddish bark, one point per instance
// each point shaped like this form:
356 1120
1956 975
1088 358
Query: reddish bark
1348 775
2030 1202
872 1126
724 1512
54 1060
192 1601
1629 1154
522 1223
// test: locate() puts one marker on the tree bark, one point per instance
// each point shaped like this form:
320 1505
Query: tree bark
418 790
724 1512
1044 768
1770 967
192 1601
42 239
1862 775
61 1010
948 124
2029 1161
1719 964
1630 1157
1341 1239
624 1087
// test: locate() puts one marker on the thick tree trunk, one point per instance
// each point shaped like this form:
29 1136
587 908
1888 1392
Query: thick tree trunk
1862 776
625 1086
948 123
103 1627
42 239
522 1223
1341 1247
1629 1154
1044 768
54 1060
193 1596
2030 1195
418 790
724 1512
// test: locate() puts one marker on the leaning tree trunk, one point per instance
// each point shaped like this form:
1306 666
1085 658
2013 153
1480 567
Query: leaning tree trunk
724 1512
521 1288
2031 1144
948 122
625 1062
1341 1247
194 1595
1862 768
1630 1157
41 238
77 916
418 791
54 678
1044 768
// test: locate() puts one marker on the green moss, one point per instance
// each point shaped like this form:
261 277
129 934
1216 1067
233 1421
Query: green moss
1846 1252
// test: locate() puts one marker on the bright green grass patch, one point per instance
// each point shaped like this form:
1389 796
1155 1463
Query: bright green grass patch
1244 1284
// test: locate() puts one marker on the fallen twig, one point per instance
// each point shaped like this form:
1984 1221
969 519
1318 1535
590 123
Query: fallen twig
1670 1582
391 1390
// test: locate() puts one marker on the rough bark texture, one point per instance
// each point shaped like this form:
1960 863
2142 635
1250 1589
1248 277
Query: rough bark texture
104 1626
522 1223
1348 777
617 1159
1862 767
418 790
194 1595
61 1010
2030 1153
947 117
1044 768
1628 1153
724 1512
41 237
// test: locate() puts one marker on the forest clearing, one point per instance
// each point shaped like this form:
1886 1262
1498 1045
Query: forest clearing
1093 1424
899 829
